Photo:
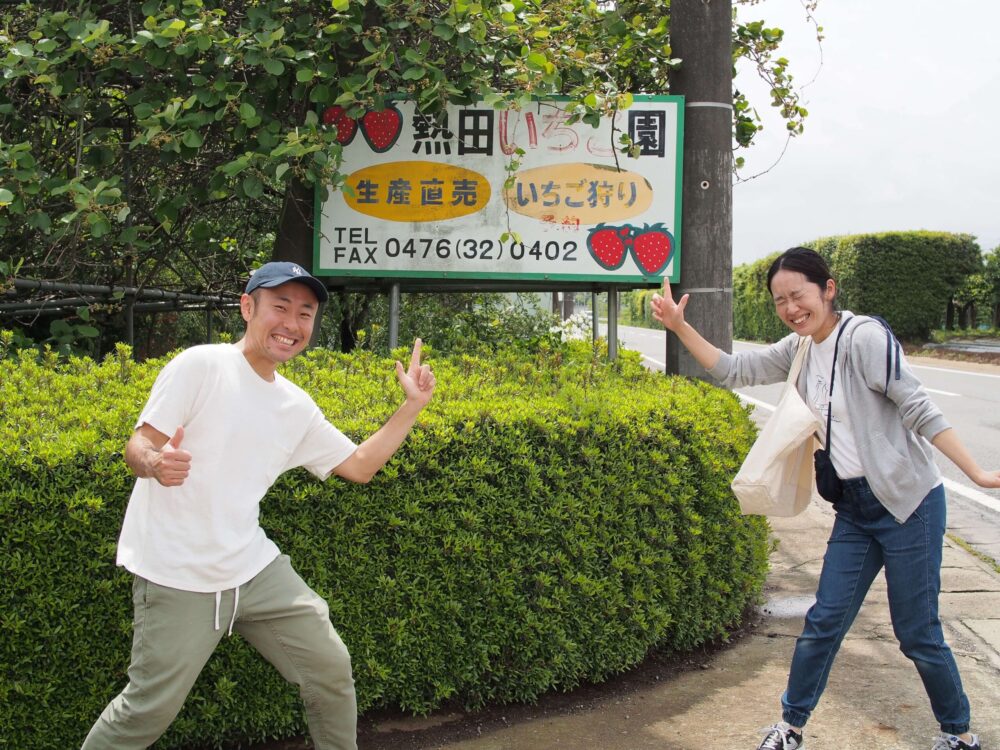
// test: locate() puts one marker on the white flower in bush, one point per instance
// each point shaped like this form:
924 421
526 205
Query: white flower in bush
577 327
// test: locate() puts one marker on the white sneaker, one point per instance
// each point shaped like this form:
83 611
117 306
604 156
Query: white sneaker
782 737
951 742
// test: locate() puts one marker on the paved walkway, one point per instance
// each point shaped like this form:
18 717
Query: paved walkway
874 700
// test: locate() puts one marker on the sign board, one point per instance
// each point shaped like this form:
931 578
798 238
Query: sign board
443 198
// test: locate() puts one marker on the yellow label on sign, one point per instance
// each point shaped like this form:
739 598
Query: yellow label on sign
414 191
579 194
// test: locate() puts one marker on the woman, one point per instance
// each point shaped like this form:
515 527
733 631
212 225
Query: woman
892 512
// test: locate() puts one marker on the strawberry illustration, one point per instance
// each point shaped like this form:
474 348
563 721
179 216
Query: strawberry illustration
382 129
651 248
346 126
607 245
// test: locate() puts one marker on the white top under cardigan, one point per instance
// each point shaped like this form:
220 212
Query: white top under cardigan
816 381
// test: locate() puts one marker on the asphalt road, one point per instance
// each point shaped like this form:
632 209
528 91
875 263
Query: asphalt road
969 400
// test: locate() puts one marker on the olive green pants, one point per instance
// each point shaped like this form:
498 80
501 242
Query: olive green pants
175 632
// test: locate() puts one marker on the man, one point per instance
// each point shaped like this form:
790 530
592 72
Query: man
220 426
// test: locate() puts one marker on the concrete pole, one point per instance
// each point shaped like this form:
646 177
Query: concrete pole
701 35
594 327
294 240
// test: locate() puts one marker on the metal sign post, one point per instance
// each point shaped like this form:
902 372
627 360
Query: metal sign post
394 316
612 322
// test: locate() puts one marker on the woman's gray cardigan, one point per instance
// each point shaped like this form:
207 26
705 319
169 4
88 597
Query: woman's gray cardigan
890 412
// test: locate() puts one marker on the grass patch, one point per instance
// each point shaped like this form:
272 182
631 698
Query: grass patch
975 553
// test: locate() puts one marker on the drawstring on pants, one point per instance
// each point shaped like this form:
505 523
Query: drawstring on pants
236 603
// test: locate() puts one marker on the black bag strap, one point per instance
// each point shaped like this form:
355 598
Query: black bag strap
833 374
892 346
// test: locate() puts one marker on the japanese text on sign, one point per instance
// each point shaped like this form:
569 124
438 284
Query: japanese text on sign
436 196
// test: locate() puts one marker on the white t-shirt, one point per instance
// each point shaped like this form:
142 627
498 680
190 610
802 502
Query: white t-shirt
242 432
818 366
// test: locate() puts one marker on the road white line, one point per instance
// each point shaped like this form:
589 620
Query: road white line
950 371
940 393
980 498
656 362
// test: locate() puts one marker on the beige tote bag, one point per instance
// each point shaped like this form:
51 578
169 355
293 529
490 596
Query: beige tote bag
777 477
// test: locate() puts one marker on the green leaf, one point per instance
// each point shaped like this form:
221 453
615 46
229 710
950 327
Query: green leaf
5 196
274 67
304 75
248 113
537 60
414 73
320 94
99 224
192 139
444 31
340 6
40 220
236 166
253 187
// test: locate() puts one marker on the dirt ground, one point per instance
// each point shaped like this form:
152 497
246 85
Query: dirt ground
393 730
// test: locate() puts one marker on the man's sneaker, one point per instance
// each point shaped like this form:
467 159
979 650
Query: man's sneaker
781 737
951 742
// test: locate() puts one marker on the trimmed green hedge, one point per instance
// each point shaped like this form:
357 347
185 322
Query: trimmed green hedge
639 310
552 519
754 317
906 277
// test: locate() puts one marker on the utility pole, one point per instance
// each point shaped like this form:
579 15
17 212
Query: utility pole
294 240
701 35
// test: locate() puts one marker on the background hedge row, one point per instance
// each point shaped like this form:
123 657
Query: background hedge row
552 520
909 278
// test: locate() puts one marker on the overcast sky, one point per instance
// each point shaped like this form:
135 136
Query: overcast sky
903 129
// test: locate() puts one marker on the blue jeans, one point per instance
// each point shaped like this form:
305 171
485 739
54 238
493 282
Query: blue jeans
865 538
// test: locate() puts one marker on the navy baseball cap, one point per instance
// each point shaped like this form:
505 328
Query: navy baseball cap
277 273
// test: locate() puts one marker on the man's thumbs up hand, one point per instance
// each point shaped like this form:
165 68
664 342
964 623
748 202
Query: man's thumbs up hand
175 441
172 465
